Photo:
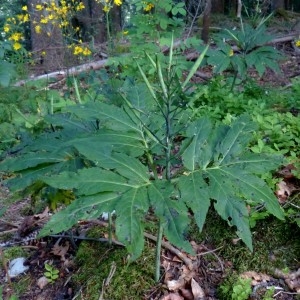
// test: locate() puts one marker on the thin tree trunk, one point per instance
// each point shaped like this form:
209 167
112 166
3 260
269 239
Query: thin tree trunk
206 22
239 9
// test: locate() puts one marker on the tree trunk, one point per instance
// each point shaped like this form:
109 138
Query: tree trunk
239 9
278 4
217 6
47 46
206 22
116 19
92 22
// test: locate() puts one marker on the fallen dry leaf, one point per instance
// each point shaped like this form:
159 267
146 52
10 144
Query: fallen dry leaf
187 294
283 191
256 278
42 282
186 275
173 296
197 290
60 250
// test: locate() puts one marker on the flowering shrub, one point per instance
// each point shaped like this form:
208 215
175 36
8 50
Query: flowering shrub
42 15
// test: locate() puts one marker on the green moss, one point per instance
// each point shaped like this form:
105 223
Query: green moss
129 281
276 244
13 252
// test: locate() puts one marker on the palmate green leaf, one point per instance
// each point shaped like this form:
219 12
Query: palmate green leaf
123 164
130 210
84 208
125 142
138 95
194 192
256 163
236 139
172 213
28 176
110 116
89 181
228 178
228 205
196 152
253 188
31 160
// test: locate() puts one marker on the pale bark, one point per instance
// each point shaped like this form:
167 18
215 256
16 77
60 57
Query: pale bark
239 9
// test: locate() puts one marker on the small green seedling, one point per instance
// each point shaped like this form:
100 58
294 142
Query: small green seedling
242 289
51 273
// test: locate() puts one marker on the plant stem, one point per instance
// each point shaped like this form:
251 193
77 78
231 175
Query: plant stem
234 80
158 250
109 229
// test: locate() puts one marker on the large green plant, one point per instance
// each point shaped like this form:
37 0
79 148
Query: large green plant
110 156
243 49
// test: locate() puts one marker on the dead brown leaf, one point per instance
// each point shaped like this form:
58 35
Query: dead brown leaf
60 250
197 290
42 282
283 191
256 278
173 296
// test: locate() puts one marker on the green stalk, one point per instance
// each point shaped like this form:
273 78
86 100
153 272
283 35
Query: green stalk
77 91
109 229
158 250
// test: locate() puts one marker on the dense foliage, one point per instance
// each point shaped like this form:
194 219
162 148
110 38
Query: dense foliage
142 139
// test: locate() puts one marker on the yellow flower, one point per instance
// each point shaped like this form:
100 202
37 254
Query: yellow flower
17 46
6 28
80 6
77 50
38 29
148 7
24 8
26 18
39 7
16 36
118 2
86 51
297 43
44 20
43 53
106 8
23 18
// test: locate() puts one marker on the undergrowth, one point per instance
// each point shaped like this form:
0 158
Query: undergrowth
97 262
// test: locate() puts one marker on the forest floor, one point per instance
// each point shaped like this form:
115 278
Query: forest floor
90 269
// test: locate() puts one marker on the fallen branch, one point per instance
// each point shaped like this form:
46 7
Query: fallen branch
59 75
188 262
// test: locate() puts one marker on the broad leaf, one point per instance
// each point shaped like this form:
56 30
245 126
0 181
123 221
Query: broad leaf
31 160
194 192
253 188
131 209
228 176
236 139
124 142
228 205
109 116
85 208
171 212
125 165
89 181
197 152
